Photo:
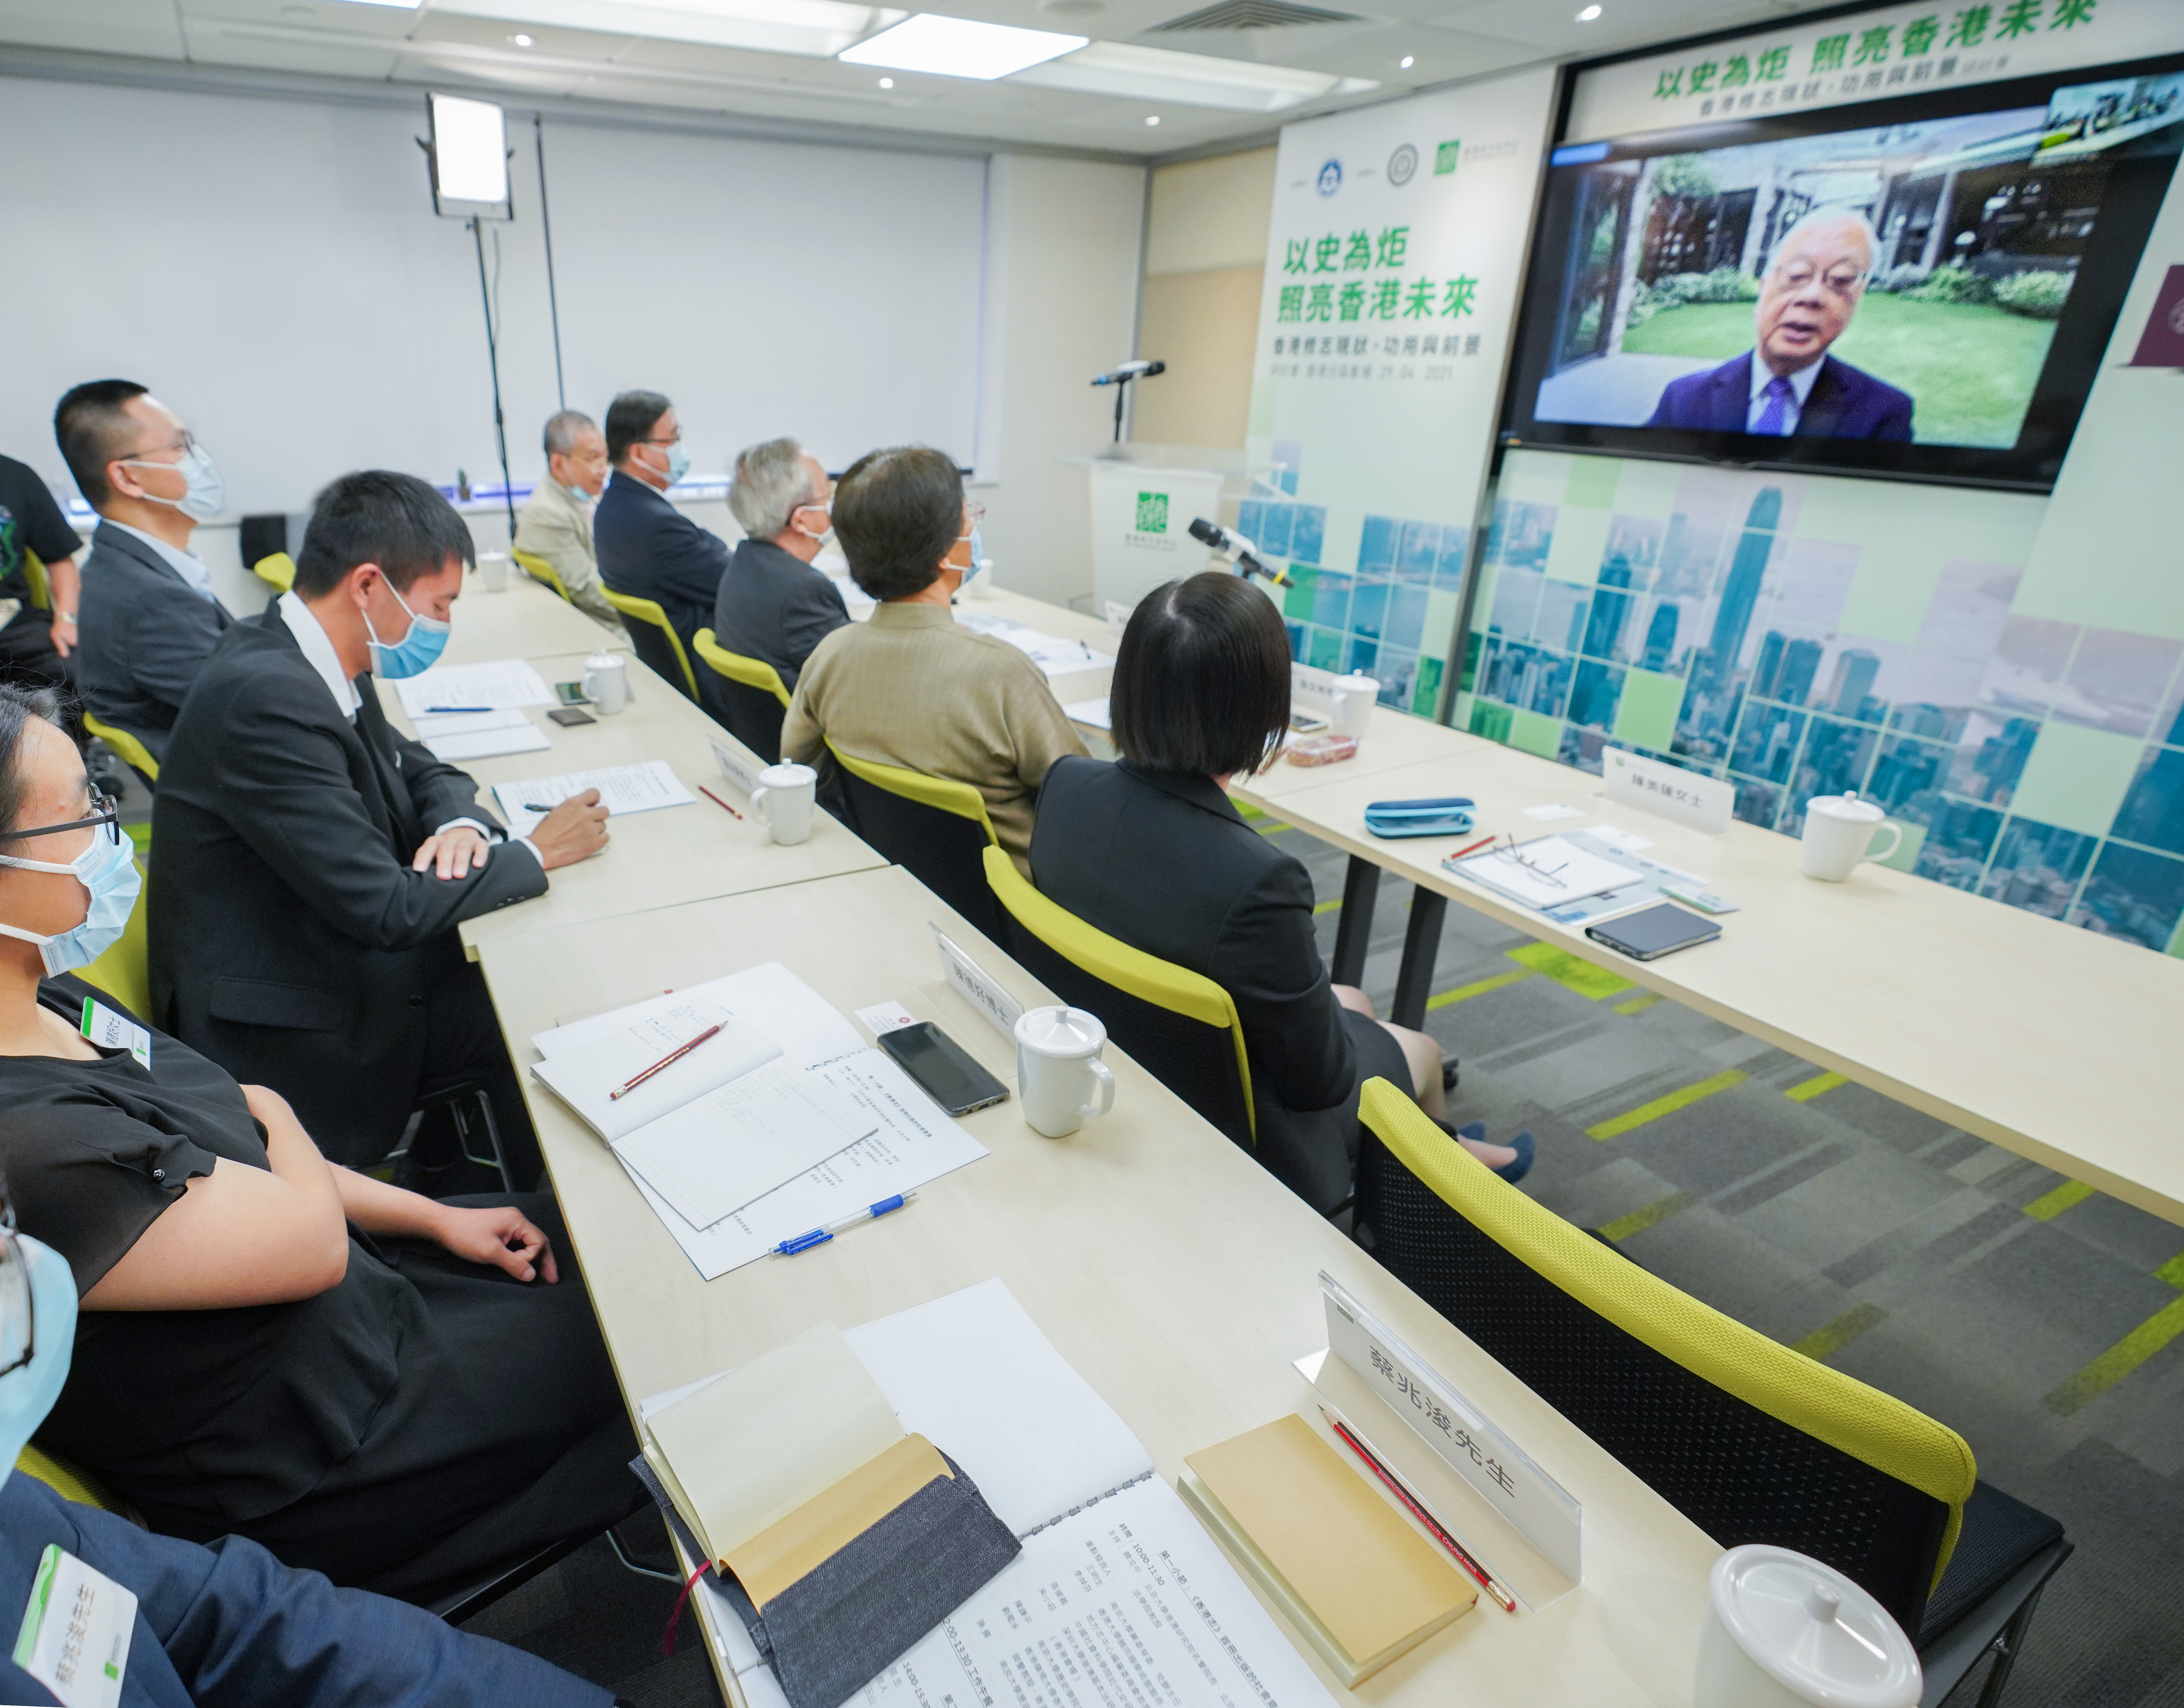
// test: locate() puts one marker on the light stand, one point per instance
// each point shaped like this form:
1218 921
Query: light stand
492 361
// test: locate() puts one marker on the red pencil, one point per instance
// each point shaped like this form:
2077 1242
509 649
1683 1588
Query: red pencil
1509 1602
672 1057
1472 848
732 813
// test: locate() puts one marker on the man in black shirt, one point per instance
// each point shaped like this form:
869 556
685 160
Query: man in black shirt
34 644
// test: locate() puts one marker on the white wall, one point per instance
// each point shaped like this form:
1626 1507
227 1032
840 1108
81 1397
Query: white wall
1063 239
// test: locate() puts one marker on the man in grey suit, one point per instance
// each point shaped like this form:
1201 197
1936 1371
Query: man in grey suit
147 615
555 521
773 605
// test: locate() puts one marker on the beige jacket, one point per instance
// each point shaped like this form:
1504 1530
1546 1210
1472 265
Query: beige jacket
910 688
557 527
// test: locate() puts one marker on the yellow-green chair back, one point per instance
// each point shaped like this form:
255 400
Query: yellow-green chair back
72 1483
1749 1440
39 582
1179 1025
277 569
646 623
540 570
124 972
752 691
130 750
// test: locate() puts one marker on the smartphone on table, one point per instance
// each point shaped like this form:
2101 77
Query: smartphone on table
948 1073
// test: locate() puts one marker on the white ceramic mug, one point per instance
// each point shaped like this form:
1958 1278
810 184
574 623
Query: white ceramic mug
1058 1070
782 801
492 570
606 681
1839 835
1784 1631
1353 699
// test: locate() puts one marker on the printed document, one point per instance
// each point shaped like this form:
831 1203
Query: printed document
1054 656
458 736
634 788
494 686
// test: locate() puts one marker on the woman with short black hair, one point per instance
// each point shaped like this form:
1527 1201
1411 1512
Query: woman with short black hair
1150 850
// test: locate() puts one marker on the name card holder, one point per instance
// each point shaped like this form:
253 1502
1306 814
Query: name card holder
1704 803
977 987
734 767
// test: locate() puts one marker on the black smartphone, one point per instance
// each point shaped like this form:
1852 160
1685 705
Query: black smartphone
1654 932
569 717
951 1079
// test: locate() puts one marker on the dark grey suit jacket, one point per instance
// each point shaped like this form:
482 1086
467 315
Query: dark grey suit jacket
776 608
290 940
147 633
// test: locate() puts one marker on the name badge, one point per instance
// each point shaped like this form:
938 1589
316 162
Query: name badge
111 1031
77 1627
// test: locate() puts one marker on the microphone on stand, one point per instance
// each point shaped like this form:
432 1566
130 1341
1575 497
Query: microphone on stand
1128 371
1236 549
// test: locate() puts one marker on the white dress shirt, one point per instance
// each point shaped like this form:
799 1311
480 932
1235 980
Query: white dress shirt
186 564
318 650
1801 387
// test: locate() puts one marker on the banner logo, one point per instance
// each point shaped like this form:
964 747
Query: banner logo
1331 177
1402 166
1445 157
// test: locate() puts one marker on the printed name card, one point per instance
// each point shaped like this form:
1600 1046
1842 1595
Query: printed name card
737 770
1704 802
977 987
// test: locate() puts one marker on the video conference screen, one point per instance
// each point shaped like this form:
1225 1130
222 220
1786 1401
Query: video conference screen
1921 286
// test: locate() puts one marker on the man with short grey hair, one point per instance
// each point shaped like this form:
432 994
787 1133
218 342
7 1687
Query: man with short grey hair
773 605
555 521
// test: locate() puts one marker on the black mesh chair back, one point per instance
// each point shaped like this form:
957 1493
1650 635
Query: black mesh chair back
935 827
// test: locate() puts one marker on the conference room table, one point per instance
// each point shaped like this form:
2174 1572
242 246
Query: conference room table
2051 1041
1175 1275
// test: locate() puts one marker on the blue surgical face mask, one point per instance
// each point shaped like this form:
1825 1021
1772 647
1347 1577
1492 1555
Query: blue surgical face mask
678 463
108 869
417 651
978 557
203 491
37 1315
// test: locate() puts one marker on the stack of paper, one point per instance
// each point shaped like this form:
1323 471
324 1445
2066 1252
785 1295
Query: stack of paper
1054 656
499 686
1092 714
908 1139
458 736
637 788
1546 872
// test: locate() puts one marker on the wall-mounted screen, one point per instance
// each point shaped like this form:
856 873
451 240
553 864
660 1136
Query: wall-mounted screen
1922 286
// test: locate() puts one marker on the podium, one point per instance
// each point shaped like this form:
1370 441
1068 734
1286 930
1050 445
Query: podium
1144 498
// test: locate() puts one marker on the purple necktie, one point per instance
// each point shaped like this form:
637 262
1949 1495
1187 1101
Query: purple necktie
1775 418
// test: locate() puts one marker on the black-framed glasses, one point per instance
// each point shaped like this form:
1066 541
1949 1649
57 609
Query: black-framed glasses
19 1326
105 811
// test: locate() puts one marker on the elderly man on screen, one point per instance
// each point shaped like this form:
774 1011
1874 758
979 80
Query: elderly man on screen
1788 384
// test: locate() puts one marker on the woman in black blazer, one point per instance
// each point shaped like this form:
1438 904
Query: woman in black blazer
1150 850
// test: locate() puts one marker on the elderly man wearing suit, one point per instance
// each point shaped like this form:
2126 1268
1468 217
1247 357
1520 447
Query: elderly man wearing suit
555 521
773 605
1787 383
314 864
147 615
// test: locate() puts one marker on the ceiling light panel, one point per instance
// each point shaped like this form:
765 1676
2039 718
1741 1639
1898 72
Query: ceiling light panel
961 48
1188 80
815 28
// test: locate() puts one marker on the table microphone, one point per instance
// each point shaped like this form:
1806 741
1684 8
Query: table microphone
1130 370
1236 549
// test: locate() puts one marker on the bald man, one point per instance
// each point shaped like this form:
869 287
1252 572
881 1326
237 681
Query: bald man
1787 383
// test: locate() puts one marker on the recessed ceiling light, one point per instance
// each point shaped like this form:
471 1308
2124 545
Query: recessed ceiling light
961 48
887 82
1406 62
1131 73
520 41
1588 14
1152 118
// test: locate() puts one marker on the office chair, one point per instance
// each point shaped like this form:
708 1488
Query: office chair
1179 1025
935 828
753 693
126 747
38 581
647 623
277 569
124 972
1749 1440
72 1482
540 570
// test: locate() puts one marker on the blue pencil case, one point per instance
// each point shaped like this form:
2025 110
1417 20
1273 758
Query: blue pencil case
1447 817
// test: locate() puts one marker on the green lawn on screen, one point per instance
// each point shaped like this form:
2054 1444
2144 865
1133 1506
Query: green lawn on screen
1970 368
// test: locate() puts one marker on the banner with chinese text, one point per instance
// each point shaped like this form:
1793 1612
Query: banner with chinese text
1394 255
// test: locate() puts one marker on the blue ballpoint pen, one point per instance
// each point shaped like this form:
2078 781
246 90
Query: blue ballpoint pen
434 711
820 1236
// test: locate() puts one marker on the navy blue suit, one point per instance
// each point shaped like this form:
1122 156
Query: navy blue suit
1845 402
650 550
231 1625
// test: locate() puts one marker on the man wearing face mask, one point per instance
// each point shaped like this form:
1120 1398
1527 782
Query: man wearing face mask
911 687
180 1623
774 606
314 864
647 549
555 521
148 615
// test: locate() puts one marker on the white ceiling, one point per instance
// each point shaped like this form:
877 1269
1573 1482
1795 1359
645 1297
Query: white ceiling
670 53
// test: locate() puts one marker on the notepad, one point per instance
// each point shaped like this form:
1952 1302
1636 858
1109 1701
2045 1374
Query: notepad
1547 871
719 1126
623 789
458 736
1361 1584
494 686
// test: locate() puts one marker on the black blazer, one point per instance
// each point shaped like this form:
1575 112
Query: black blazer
1167 864
147 633
650 550
290 940
1845 403
776 608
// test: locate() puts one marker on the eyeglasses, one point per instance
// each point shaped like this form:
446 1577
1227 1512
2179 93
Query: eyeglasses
976 511
186 444
105 812
1842 281
677 440
18 1339
1514 850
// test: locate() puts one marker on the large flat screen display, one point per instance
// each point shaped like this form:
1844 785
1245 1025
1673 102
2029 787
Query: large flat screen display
1921 286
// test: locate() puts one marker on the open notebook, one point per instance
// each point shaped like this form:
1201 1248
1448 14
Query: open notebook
725 1122
1113 1569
